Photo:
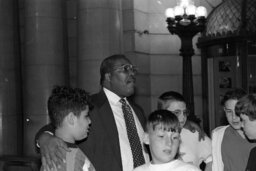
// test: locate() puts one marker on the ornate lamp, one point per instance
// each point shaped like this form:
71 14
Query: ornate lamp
186 20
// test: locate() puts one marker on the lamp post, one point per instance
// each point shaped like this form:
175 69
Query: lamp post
186 20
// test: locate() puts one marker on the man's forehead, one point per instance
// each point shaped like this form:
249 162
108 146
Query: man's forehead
121 62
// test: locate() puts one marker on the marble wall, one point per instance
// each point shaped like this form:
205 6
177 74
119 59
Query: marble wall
157 51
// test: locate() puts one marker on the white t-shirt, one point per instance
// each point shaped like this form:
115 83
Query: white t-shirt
194 151
175 165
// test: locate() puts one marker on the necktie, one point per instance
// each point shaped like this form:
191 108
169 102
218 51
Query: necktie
138 158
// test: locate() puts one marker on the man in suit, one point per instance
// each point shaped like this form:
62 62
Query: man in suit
108 145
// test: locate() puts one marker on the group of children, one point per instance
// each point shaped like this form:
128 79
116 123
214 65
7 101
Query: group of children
171 146
192 149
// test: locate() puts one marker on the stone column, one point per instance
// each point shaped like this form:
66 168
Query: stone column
99 35
44 62
10 107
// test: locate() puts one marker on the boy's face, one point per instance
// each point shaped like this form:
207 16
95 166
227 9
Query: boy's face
179 109
82 124
249 126
233 120
163 144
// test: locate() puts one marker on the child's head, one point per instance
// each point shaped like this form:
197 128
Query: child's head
162 136
68 107
229 102
246 109
174 102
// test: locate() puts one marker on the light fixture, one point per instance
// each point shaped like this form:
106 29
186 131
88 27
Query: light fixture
185 13
186 20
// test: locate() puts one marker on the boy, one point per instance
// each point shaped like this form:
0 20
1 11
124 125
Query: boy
68 110
229 137
162 136
192 150
246 109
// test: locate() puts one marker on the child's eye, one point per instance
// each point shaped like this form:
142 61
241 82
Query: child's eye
176 136
174 130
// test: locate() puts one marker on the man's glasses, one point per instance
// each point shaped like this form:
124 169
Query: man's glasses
127 68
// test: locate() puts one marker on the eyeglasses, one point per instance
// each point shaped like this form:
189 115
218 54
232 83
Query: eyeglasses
127 68
179 112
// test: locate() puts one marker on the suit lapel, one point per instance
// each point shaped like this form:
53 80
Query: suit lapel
108 122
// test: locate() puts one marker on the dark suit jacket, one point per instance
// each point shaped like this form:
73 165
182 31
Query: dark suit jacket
102 145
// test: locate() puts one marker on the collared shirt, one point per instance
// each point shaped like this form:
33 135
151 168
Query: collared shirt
125 149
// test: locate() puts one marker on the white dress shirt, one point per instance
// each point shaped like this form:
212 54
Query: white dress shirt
125 149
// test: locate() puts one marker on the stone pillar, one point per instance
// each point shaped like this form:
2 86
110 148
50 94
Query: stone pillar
44 62
10 108
137 47
99 35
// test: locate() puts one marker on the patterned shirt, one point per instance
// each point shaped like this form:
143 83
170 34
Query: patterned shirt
76 160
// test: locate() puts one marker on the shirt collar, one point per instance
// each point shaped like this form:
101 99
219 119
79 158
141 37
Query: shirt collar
112 97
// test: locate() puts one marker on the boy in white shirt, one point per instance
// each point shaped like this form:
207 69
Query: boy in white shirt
162 136
192 150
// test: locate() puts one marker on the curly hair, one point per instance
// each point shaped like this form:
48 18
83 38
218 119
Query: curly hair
64 100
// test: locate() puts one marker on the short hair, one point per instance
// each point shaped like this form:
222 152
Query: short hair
247 105
108 64
64 100
234 94
167 119
169 95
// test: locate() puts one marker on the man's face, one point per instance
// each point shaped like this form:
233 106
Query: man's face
163 144
233 120
179 109
249 126
122 78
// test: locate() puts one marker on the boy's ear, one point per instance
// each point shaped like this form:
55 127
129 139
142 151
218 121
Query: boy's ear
70 118
146 138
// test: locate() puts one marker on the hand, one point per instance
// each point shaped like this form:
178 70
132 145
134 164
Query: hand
192 126
53 151
45 167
